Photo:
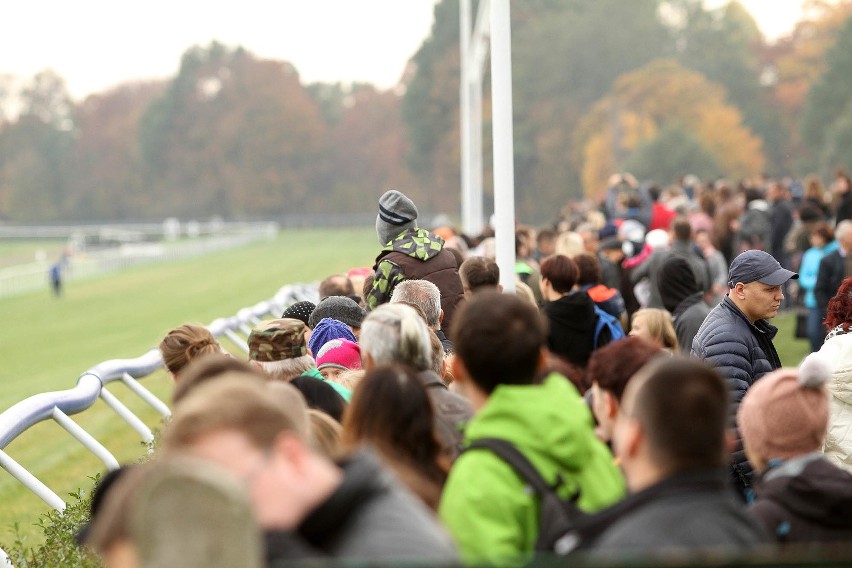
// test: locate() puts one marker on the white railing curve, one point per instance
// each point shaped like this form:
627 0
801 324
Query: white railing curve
92 384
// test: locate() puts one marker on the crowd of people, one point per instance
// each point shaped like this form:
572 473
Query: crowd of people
626 400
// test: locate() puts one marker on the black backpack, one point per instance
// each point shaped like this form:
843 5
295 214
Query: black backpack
558 518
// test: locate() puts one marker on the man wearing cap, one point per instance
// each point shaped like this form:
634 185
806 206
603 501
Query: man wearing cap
736 337
411 253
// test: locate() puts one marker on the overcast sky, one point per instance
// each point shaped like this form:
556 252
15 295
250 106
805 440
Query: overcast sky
95 44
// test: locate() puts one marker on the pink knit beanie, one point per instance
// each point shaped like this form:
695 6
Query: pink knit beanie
785 413
340 353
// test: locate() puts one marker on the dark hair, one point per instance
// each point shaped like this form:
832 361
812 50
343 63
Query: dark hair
457 254
499 338
839 309
682 406
391 410
561 271
612 365
320 395
478 271
588 269
209 367
823 230
682 229
336 285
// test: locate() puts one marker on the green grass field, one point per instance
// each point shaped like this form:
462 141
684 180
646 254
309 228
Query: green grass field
46 343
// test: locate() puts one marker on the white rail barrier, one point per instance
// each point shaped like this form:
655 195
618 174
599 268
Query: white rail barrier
59 406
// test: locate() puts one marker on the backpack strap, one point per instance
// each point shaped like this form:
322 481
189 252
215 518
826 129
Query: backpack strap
510 454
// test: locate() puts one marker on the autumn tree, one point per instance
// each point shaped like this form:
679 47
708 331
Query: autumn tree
829 105
646 101
34 152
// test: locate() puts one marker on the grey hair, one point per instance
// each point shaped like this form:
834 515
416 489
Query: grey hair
287 369
423 294
395 333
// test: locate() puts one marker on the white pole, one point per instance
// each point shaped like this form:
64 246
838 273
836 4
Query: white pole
504 171
466 115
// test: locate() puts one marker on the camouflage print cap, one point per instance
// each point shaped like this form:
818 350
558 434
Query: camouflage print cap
276 340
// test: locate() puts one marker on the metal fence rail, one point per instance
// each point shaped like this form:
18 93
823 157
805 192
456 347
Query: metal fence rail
59 406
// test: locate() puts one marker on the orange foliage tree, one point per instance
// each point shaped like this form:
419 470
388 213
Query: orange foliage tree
645 101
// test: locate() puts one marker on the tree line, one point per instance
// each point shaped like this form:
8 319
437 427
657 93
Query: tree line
661 88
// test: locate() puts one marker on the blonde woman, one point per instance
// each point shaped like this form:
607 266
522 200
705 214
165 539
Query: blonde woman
185 343
655 326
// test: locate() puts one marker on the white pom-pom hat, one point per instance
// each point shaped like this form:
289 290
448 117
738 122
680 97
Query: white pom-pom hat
785 413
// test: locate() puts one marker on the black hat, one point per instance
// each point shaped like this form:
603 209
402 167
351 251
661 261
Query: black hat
300 311
758 266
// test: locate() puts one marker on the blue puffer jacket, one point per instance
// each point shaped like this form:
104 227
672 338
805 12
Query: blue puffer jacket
742 352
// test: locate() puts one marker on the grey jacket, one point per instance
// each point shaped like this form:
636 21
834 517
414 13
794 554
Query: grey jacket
451 412
371 518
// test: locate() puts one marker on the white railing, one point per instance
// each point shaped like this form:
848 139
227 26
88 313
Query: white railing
92 384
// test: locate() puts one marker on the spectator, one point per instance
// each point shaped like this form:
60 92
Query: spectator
822 244
183 344
611 254
754 225
339 308
717 266
736 337
610 369
834 267
338 356
395 334
321 395
661 216
683 299
841 189
427 297
800 496
411 253
300 311
655 326
479 273
352 510
484 504
589 280
277 347
545 243
336 285
669 438
324 434
392 413
646 268
571 313
837 352
213 366
780 220
328 329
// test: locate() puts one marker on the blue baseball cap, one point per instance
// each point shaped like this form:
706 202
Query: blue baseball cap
758 266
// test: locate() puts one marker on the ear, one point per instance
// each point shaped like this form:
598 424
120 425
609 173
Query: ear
610 403
631 439
441 317
542 365
460 374
500 288
739 290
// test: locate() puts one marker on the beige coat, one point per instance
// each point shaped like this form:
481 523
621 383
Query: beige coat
837 352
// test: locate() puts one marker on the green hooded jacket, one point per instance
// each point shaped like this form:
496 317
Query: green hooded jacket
485 505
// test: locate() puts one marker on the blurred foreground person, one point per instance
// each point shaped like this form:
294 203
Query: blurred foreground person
669 437
352 510
177 512
800 496
492 515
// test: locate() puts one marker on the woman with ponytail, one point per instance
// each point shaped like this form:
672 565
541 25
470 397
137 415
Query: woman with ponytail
185 343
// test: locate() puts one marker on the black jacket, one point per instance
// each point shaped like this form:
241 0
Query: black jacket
832 271
572 321
805 499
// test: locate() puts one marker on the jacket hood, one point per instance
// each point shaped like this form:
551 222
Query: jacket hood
811 488
546 420
576 312
676 282
416 243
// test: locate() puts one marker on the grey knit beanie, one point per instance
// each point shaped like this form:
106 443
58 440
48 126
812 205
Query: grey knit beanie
396 214
340 308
